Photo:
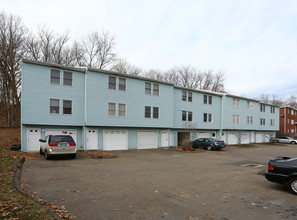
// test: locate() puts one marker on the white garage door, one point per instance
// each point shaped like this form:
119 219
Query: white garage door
146 139
232 139
259 137
33 136
245 137
115 140
72 133
92 139
203 135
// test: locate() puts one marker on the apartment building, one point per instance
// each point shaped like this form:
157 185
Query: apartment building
106 110
288 120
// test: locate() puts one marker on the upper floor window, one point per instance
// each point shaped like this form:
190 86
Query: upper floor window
250 105
122 110
148 88
292 112
236 119
155 89
155 112
207 117
184 95
112 82
187 95
122 84
67 107
54 106
207 99
262 121
55 77
236 103
67 78
272 109
262 108
292 122
147 111
151 86
272 122
184 116
111 109
250 120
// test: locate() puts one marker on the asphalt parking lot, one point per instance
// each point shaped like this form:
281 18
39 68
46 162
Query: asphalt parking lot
165 184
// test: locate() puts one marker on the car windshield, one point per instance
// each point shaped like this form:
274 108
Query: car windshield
60 138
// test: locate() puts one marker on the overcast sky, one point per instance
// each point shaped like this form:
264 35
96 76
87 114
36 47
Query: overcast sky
254 42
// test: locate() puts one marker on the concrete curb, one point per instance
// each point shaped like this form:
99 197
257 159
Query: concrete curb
16 181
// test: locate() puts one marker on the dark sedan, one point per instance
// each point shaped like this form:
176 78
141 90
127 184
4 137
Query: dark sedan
208 144
283 170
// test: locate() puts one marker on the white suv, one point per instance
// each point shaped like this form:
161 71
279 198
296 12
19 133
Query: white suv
57 145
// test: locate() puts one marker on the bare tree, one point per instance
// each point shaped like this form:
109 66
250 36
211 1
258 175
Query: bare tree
47 46
154 74
99 50
122 66
292 101
12 37
189 77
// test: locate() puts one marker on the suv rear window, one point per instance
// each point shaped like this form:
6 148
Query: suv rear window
60 138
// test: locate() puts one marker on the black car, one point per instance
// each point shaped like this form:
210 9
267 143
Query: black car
283 170
208 144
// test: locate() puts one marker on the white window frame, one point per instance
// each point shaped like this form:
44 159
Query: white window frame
110 111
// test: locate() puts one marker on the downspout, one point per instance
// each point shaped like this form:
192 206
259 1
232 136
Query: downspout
222 116
85 110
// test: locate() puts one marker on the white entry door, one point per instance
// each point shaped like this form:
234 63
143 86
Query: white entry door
146 139
33 136
164 138
92 139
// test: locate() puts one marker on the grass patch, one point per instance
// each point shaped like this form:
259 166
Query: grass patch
14 205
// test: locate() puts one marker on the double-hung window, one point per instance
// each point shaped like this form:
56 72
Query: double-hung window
155 89
184 95
148 88
207 117
67 107
112 82
122 110
184 115
122 84
155 112
54 106
147 111
207 99
111 109
190 116
55 77
67 78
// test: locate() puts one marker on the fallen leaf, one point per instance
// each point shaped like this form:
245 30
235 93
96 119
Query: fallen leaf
115 210
130 206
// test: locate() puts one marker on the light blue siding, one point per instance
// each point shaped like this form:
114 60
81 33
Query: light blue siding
98 97
90 96
37 92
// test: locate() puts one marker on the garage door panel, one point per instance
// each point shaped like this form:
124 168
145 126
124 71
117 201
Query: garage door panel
115 140
146 140
259 137
232 138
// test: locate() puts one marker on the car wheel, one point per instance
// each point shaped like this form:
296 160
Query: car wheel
293 185
47 157
209 147
293 142
275 141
